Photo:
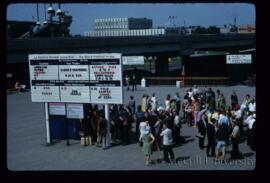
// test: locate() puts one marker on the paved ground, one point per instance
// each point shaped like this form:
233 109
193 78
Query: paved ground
26 149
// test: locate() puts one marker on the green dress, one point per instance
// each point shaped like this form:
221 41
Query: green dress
147 150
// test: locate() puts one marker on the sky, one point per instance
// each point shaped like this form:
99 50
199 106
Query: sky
204 14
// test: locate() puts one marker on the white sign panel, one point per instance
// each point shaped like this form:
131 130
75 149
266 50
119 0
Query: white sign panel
106 95
44 92
73 72
75 111
133 60
106 80
72 78
44 72
57 109
78 94
238 59
105 72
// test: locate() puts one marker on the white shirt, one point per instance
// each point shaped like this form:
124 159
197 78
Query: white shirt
243 106
176 120
235 131
167 104
238 114
142 126
252 107
249 121
190 94
160 109
167 137
154 103
195 90
223 119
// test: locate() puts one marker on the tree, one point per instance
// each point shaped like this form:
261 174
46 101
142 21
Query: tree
213 30
199 30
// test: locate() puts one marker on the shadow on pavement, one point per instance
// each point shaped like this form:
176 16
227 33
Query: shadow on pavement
179 159
245 155
156 161
187 136
183 141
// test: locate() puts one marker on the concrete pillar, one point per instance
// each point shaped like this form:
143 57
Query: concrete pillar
234 71
185 65
162 65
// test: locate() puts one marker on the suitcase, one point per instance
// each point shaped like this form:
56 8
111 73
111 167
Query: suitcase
86 141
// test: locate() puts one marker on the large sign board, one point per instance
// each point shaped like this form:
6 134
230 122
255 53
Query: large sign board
238 59
133 60
76 78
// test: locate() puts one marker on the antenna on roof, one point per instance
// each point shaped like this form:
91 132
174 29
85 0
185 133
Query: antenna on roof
51 12
45 12
38 23
59 13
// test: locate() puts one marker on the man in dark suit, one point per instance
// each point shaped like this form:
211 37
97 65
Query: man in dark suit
202 124
211 137
134 79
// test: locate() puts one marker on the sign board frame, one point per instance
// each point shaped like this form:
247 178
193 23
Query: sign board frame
67 78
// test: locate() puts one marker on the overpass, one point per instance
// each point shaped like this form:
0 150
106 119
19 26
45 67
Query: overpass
163 47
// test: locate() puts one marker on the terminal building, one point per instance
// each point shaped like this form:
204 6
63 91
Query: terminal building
108 27
246 29
122 23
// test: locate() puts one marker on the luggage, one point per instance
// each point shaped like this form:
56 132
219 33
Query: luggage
86 141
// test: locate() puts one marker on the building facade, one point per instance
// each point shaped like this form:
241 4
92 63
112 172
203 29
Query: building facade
127 32
102 24
122 23
246 29
139 23
110 27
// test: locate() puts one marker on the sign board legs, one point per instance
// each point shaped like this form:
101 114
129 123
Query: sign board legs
48 135
67 126
107 117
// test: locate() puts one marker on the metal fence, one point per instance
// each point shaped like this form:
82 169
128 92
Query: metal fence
188 80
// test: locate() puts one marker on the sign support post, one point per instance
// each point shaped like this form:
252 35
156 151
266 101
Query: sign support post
48 135
107 117
67 136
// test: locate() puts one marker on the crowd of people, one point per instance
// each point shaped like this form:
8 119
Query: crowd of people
157 124
221 123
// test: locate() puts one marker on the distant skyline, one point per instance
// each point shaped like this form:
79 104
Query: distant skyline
204 14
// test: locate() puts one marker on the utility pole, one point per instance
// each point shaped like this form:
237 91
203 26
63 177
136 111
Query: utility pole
172 20
45 17
37 14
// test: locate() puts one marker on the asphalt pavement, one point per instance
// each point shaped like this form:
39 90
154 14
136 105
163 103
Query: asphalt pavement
27 149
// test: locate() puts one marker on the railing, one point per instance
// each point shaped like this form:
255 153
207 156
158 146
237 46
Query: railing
25 35
188 80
